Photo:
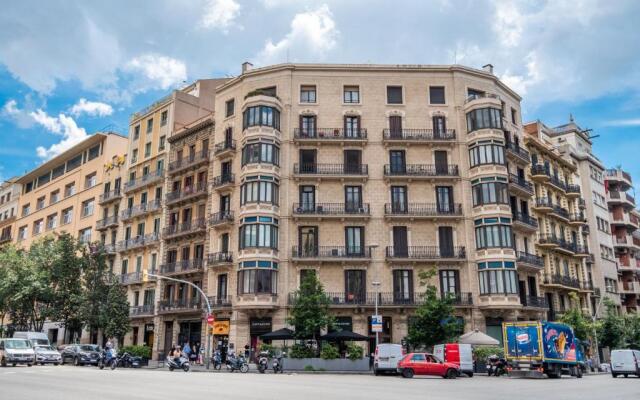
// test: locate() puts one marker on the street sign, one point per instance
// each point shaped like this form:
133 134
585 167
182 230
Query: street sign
376 323
211 319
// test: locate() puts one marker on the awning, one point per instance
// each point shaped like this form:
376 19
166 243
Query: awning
344 336
280 334
478 338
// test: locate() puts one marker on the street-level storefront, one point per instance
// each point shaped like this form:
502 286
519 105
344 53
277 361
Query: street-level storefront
221 329
257 327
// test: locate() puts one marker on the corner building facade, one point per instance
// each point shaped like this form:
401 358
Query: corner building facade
367 175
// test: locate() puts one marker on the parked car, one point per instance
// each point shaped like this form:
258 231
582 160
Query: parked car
625 362
81 354
386 358
426 364
16 351
36 338
458 354
46 354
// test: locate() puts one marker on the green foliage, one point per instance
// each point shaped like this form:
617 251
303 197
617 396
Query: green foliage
65 270
309 368
310 311
116 312
482 352
138 351
329 352
611 328
354 351
301 351
581 323
268 348
632 331
434 321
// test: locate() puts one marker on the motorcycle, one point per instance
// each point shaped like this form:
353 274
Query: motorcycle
277 364
106 358
263 361
237 363
182 363
497 366
126 360
216 360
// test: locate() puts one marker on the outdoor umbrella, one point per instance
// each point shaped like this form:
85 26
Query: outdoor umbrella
477 338
344 336
280 334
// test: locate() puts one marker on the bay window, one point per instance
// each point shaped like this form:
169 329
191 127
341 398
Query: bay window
497 277
261 116
493 232
258 277
259 232
259 189
256 153
484 118
489 190
486 152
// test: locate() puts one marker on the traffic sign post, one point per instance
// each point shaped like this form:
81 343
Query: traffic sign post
376 323
210 319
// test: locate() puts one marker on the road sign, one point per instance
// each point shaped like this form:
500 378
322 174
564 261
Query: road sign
376 323
211 319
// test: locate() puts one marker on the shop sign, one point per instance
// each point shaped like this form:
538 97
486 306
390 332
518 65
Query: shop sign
259 325
221 327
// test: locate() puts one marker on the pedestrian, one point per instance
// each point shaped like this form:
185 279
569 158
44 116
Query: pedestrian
247 351
194 355
186 349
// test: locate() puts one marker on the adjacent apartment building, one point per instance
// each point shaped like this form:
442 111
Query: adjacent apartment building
9 194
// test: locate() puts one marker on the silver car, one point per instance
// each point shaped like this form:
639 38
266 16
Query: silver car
16 351
47 355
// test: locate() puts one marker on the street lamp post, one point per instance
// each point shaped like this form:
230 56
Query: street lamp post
207 348
377 286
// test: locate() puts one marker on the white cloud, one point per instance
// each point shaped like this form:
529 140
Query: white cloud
220 14
624 122
20 116
156 71
508 23
60 125
11 107
92 108
521 83
312 35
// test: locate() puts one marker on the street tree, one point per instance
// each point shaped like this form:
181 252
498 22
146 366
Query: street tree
632 331
580 322
310 311
611 329
434 321
96 280
116 312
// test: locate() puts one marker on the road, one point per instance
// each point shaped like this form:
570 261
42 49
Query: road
70 383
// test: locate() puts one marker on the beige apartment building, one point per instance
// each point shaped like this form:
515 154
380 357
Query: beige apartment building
624 224
9 194
563 230
367 175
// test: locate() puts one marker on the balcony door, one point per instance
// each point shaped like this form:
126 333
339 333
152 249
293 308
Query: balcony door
228 137
395 126
449 282
308 160
352 126
400 242
222 287
397 161
307 198
445 240
352 198
308 126
439 126
354 240
308 241
352 161
225 204
513 201
226 170
355 286
402 286
224 243
399 203
441 161
444 199
522 289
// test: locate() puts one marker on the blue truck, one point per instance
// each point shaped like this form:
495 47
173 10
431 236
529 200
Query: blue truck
534 349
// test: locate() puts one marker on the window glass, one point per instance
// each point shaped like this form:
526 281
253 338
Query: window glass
351 94
308 94
394 94
436 95
484 118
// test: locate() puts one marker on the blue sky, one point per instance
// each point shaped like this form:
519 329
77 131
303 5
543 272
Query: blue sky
70 68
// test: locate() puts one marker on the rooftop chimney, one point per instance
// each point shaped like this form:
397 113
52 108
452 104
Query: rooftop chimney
488 68
246 66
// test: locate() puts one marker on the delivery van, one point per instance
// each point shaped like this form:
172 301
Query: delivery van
386 358
35 337
456 353
625 362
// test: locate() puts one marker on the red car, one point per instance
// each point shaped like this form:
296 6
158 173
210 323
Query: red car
426 364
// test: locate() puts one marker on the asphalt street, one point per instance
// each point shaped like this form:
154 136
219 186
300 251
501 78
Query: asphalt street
69 383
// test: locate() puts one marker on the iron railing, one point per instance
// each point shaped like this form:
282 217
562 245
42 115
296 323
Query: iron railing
138 241
530 259
423 209
221 217
330 133
331 209
521 183
223 180
342 252
182 266
557 279
144 180
191 160
525 219
518 151
224 146
419 135
141 209
421 170
221 257
145 309
540 169
106 222
192 226
426 252
535 301
186 192
111 195
573 189
331 169
219 301
194 303
385 299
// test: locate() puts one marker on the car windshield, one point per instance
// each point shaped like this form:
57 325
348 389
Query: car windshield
17 344
89 347
41 348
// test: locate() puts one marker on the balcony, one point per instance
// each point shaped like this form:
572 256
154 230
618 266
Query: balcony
560 213
134 277
224 181
109 248
620 177
331 253
107 223
540 173
534 302
329 171
140 210
329 136
626 241
543 205
577 219
518 153
142 311
422 211
110 196
193 227
385 299
630 287
321 211
138 242
180 305
221 258
421 171
182 267
547 241
562 280
224 149
524 222
520 185
219 302
221 219
529 260
425 253
418 136
191 162
573 190
557 183
144 181
621 218
621 198
567 247
186 193
582 204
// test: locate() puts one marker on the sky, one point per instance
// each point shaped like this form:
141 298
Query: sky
71 68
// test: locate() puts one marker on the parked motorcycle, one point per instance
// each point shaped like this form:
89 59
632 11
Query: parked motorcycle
106 358
126 360
277 364
182 363
497 366
237 363
263 361
216 360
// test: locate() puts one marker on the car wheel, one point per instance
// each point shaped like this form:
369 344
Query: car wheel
626 375
3 362
469 374
451 374
614 375
76 362
56 364
29 365
407 373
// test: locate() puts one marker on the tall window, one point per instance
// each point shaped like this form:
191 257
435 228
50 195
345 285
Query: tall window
355 281
261 116
394 94
164 118
87 208
490 190
402 285
136 132
399 199
484 118
351 94
352 198
444 199
230 107
486 152
308 126
308 94
449 282
256 153
493 232
352 126
497 277
259 232
258 277
436 95
149 125
259 190
308 198
354 240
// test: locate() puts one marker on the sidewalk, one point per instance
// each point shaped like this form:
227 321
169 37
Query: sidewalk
253 368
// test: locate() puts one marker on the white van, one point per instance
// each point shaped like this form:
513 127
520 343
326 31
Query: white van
16 351
35 337
625 362
387 357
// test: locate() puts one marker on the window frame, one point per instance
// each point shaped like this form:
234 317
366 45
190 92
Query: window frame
387 98
444 95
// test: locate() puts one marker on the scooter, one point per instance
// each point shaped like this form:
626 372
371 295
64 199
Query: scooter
263 361
497 366
183 363
216 360
126 360
277 364
237 363
106 358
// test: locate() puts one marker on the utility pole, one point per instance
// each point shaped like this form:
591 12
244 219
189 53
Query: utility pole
207 349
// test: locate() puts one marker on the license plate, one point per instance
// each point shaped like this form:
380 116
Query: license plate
384 358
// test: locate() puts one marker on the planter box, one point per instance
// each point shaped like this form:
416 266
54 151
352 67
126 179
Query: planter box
339 364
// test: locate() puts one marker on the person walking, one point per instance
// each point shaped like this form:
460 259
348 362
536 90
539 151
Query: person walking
193 357
186 349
